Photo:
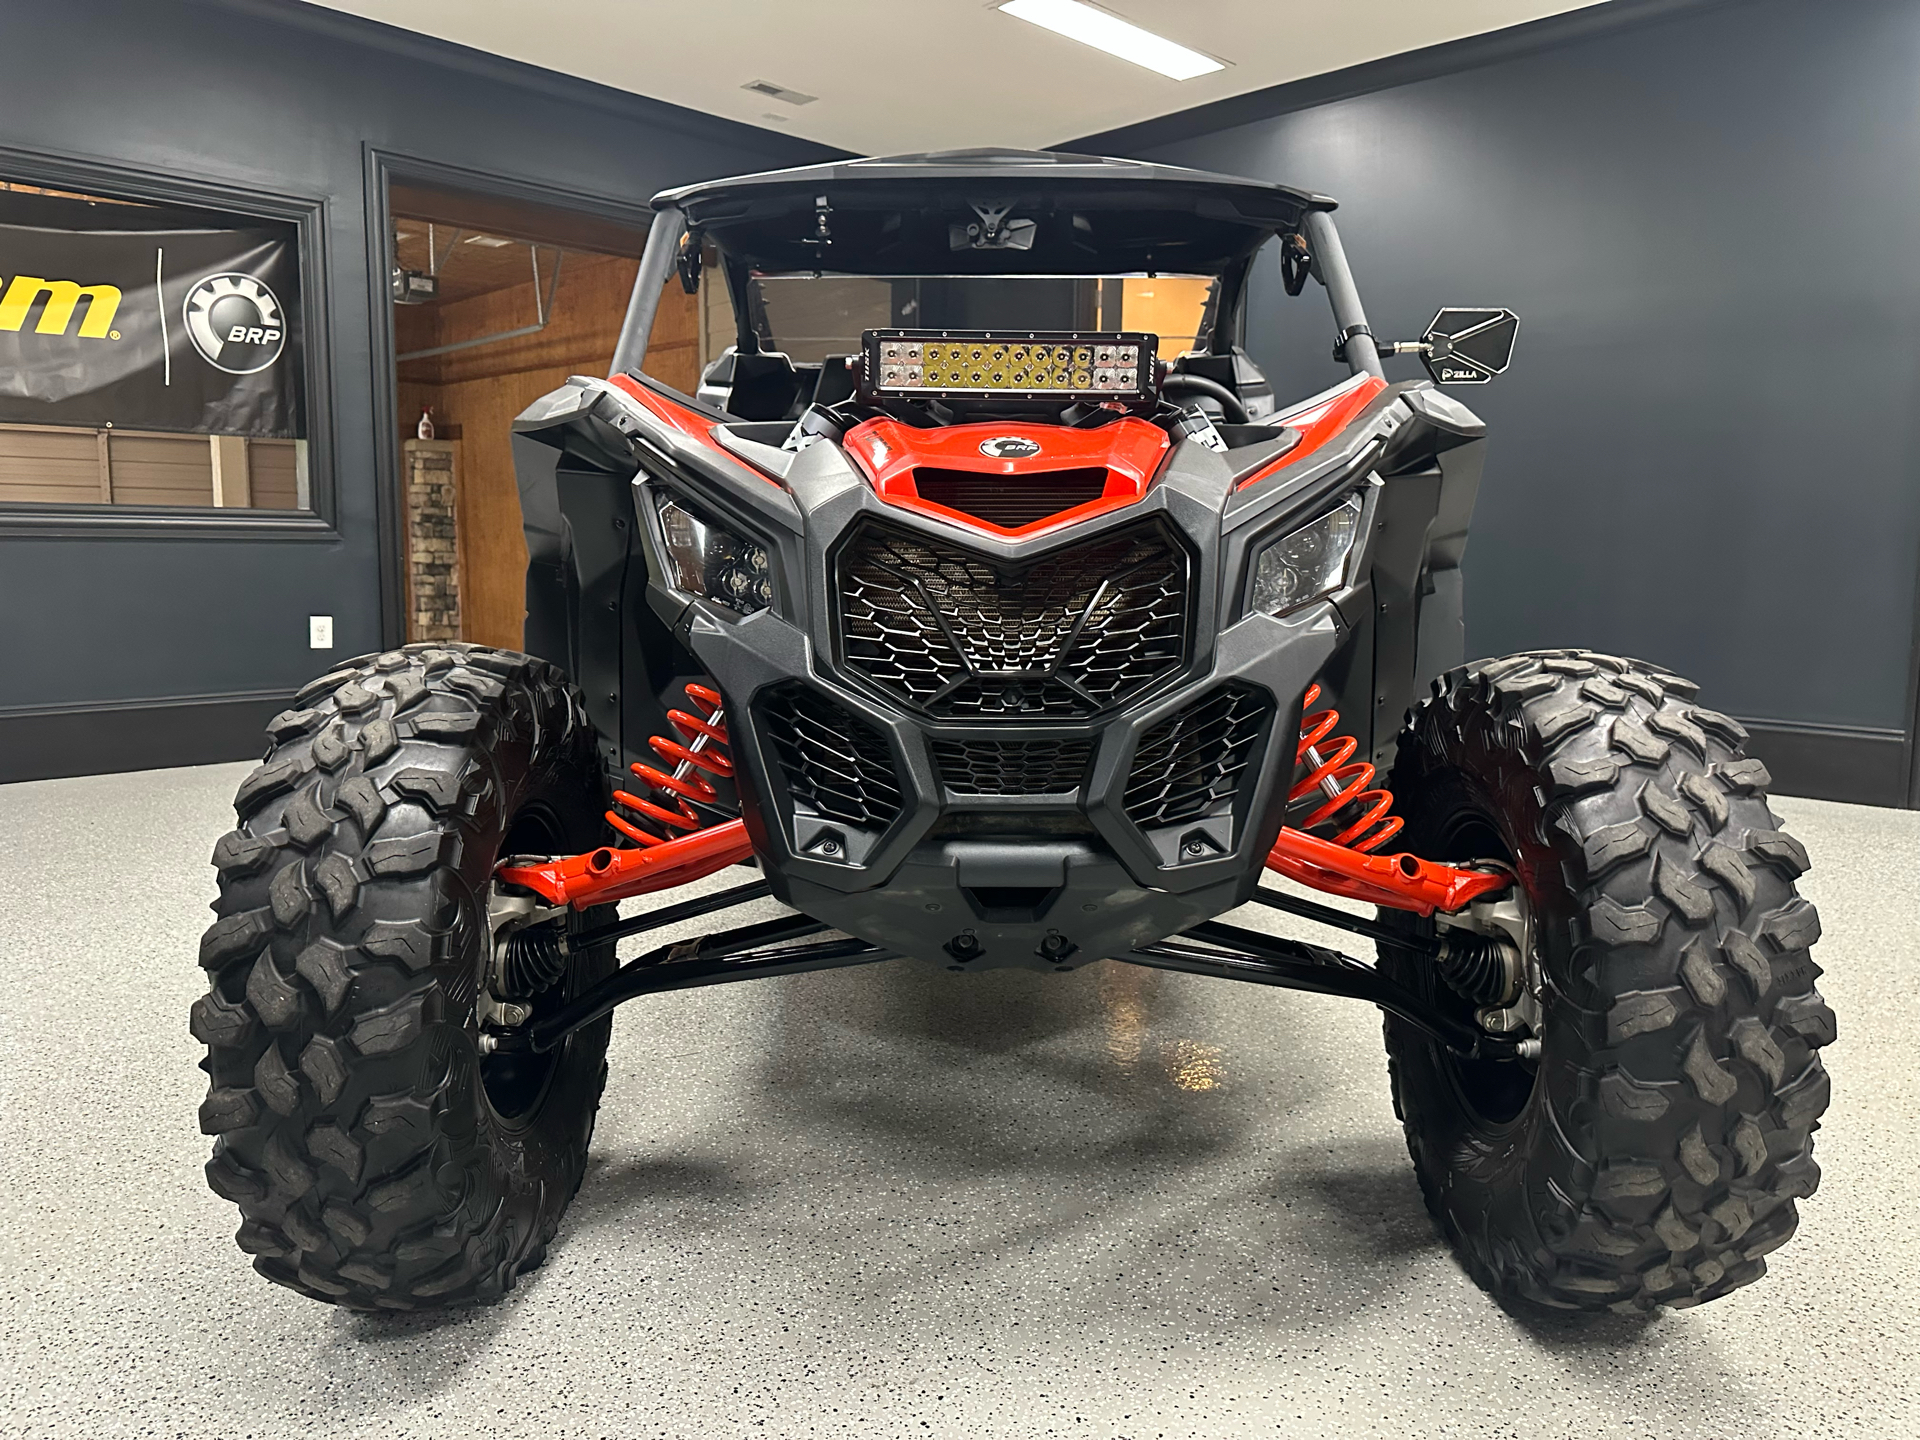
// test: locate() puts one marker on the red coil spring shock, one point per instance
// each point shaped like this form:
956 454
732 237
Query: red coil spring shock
675 795
1343 781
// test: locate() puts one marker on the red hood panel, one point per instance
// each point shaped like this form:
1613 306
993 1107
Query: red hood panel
1129 450
1320 421
690 423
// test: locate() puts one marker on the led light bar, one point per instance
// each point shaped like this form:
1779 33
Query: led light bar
1010 364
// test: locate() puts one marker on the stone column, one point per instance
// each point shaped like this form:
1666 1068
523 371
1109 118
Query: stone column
433 545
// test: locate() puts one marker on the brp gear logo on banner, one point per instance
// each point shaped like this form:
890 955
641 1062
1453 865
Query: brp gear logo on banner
235 323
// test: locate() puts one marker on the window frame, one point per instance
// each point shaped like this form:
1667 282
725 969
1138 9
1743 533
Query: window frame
308 215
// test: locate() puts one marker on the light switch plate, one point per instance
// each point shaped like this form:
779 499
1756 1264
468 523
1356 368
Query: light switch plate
320 632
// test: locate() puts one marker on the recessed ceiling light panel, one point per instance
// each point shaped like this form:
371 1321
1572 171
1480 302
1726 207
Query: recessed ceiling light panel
1108 32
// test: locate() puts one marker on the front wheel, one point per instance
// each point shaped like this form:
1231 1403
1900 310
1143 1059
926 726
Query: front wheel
1651 1146
378 1158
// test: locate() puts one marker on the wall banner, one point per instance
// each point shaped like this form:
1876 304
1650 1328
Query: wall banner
144 317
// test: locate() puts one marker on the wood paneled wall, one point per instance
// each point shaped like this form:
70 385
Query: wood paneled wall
275 472
63 465
50 465
476 393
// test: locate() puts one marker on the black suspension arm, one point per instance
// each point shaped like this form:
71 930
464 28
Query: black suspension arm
1358 924
1296 965
536 955
669 915
713 960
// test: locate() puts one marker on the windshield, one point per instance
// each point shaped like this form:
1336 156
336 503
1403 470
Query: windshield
813 316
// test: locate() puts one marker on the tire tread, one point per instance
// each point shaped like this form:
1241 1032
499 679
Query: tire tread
342 1091
1684 1023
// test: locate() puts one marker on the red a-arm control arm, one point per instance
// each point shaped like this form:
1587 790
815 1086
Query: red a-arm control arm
1400 882
605 875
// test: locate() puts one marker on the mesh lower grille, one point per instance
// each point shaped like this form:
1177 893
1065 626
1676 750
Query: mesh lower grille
835 763
1012 767
1191 764
1010 501
1065 635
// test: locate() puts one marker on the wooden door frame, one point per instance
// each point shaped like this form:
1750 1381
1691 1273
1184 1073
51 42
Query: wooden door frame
383 169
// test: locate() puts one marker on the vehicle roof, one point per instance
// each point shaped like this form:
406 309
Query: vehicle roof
894 214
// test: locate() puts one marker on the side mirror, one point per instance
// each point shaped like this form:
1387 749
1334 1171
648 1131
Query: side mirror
1468 347
688 262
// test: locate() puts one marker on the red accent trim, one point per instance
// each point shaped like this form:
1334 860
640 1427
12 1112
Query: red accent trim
604 875
1320 422
690 423
1400 882
888 452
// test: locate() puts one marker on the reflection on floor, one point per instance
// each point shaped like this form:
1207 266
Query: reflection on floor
896 1201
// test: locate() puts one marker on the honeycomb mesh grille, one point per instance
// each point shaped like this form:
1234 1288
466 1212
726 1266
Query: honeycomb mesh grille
1012 767
835 763
1063 636
1191 764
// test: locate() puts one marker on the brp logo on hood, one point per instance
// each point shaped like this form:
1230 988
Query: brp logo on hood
235 323
1009 447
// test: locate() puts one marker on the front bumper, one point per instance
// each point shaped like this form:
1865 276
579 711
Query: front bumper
889 843
1041 881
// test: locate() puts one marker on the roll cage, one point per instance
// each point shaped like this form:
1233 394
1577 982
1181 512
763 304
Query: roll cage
989 213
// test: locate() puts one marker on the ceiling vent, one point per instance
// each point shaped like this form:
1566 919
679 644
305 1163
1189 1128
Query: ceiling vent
778 92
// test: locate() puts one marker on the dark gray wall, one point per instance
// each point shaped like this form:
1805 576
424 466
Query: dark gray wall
289 99
1705 452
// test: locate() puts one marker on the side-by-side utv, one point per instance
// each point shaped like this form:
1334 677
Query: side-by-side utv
985 631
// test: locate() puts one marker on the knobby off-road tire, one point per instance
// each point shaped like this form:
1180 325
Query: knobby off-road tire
1655 1153
377 1159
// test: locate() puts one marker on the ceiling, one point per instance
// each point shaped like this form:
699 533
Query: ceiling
465 268
894 76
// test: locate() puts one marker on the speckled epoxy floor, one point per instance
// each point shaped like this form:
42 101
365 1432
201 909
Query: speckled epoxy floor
894 1201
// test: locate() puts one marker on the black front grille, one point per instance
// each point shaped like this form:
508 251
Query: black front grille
835 763
1065 635
1012 767
1191 764
1010 501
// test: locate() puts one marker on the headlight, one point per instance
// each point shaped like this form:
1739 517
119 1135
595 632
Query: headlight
708 559
1309 563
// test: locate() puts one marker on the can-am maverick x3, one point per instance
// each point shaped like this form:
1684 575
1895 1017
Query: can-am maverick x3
995 636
